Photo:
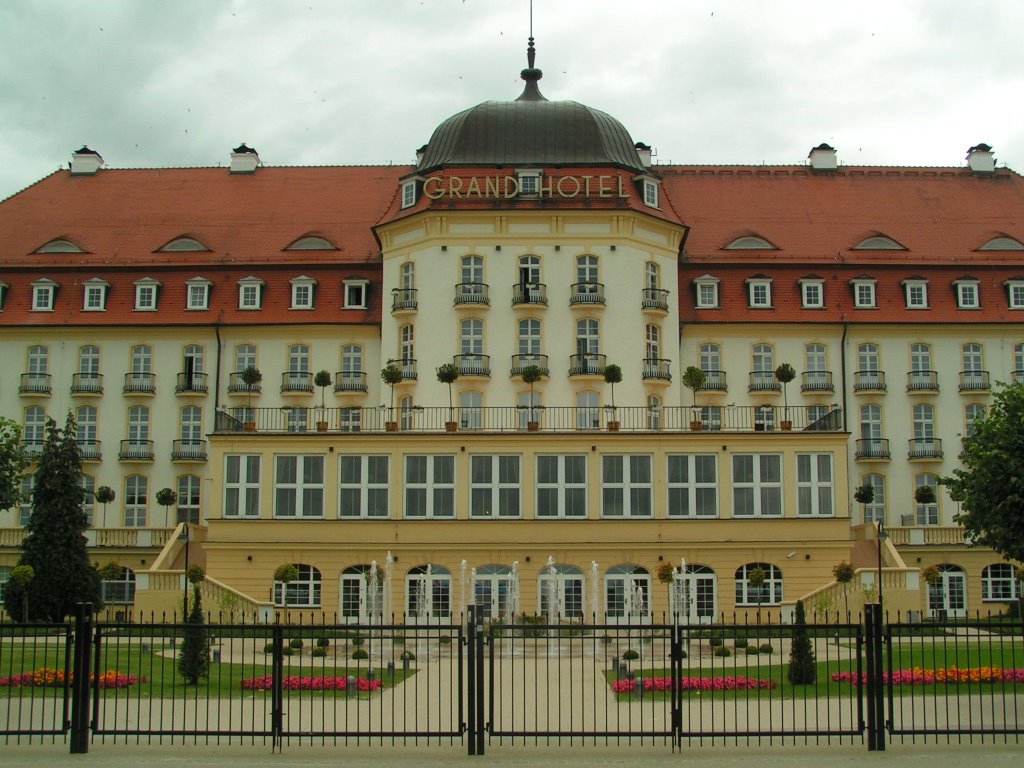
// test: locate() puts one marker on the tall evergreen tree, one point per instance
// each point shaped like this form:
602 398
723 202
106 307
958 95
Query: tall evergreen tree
194 658
55 543
802 670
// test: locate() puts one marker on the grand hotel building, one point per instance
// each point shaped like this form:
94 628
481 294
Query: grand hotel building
528 233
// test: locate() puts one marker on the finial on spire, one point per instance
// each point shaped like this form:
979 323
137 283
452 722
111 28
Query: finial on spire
531 75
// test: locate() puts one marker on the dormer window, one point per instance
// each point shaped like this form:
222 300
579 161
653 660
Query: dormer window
1015 292
409 193
967 295
863 292
750 243
198 293
181 244
707 291
759 292
649 187
4 287
145 294
250 293
60 245
95 295
529 183
302 292
43 292
312 243
355 293
878 243
812 292
1002 244
916 291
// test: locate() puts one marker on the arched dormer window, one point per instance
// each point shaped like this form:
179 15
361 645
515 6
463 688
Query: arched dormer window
750 243
878 243
183 244
1002 244
312 243
60 245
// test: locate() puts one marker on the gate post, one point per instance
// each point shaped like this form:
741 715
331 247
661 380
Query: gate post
479 661
874 689
80 680
880 730
475 679
471 678
277 688
676 676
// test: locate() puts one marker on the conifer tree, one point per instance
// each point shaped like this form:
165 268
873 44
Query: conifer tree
802 670
55 543
194 659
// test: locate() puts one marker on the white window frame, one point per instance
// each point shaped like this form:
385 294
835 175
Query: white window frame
1015 293
242 495
863 294
999 583
189 504
307 586
43 293
529 183
973 412
250 293
363 490
968 294
707 292
303 290
135 511
815 485
494 497
812 294
927 514
759 292
95 298
197 294
146 294
686 494
304 507
636 495
875 511
438 494
408 193
760 488
772 588
916 293
561 489
355 292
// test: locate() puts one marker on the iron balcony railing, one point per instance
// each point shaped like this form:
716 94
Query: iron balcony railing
657 369
516 419
473 364
922 381
764 381
188 450
136 450
192 382
872 448
350 381
587 364
654 298
87 383
529 293
33 446
869 381
816 381
586 293
35 384
90 450
519 362
1018 377
407 367
296 381
403 299
144 383
925 448
471 293
714 381
235 384
974 381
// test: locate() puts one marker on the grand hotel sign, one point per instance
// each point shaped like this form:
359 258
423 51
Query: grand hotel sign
507 187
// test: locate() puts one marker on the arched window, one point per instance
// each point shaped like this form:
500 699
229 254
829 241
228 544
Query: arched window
471 336
529 342
88 483
407 350
60 245
947 595
588 338
302 592
33 434
529 270
311 243
136 488
529 408
749 243
496 588
653 413
972 412
560 592
471 410
769 592
652 276
711 364
586 269
184 244
407 276
927 514
188 499
85 432
361 594
627 594
652 347
693 596
763 373
875 511
428 594
405 413
119 590
999 583
588 415
878 243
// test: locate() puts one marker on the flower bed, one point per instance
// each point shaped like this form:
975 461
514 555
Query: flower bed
949 675
45 677
295 683
655 684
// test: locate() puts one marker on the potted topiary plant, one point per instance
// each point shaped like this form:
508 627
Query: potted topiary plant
447 374
694 379
924 494
322 380
612 376
166 497
104 495
531 375
844 573
251 377
785 373
391 374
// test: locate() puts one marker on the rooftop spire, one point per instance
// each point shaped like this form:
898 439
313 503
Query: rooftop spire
531 75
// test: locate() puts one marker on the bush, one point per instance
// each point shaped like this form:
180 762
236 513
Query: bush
398 639
766 648
630 655
752 650
722 651
359 654
741 642
318 652
358 641
407 656
682 654
445 640
287 652
714 642
269 647
802 669
295 643
323 642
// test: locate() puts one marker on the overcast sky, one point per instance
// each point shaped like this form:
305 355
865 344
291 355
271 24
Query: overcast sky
160 83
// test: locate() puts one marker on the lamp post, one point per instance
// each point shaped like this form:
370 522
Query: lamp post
880 535
184 537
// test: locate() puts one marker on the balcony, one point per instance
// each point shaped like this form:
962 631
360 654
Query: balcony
473 365
586 294
654 300
350 381
1018 377
139 384
35 384
188 450
714 381
403 300
519 362
90 450
33 446
656 369
296 382
764 381
816 381
471 294
974 381
872 448
529 294
924 448
236 386
869 381
136 450
86 384
587 364
922 381
192 384
407 367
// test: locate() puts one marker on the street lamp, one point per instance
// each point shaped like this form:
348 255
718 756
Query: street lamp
184 537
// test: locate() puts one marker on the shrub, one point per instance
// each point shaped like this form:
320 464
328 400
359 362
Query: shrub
445 640
630 655
714 642
359 654
295 643
752 650
722 651
407 656
323 642
287 652
766 648
269 647
318 652
358 641
802 669
398 639
682 654
740 642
